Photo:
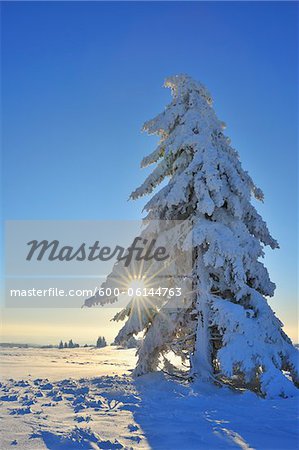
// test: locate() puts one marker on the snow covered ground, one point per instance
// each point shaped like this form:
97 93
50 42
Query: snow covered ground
85 399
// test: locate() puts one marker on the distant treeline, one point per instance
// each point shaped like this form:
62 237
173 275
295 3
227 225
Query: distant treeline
101 342
69 344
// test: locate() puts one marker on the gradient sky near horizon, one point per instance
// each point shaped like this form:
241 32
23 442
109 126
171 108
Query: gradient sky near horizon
80 78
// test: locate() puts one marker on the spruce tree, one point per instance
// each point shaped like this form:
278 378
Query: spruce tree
101 342
226 329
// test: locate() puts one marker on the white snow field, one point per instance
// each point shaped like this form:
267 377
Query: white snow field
86 399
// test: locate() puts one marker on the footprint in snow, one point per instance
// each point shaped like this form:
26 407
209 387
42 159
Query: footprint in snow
47 386
9 398
77 439
21 411
82 419
132 427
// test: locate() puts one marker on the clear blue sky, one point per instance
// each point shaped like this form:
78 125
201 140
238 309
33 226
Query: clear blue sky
80 78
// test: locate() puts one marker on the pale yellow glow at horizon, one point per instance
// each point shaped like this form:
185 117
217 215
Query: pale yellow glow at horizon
48 326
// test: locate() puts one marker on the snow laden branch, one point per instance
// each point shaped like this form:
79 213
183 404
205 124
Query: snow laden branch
225 327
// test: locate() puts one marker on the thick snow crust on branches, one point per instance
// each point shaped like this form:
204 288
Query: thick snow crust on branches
224 328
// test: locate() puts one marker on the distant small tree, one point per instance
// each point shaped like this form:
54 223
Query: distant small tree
101 342
60 344
65 345
71 344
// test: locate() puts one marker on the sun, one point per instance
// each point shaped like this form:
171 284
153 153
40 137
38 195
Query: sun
136 287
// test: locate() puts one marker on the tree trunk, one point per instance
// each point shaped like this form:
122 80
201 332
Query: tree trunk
201 365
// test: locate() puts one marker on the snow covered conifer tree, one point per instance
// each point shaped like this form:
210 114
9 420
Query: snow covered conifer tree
226 328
